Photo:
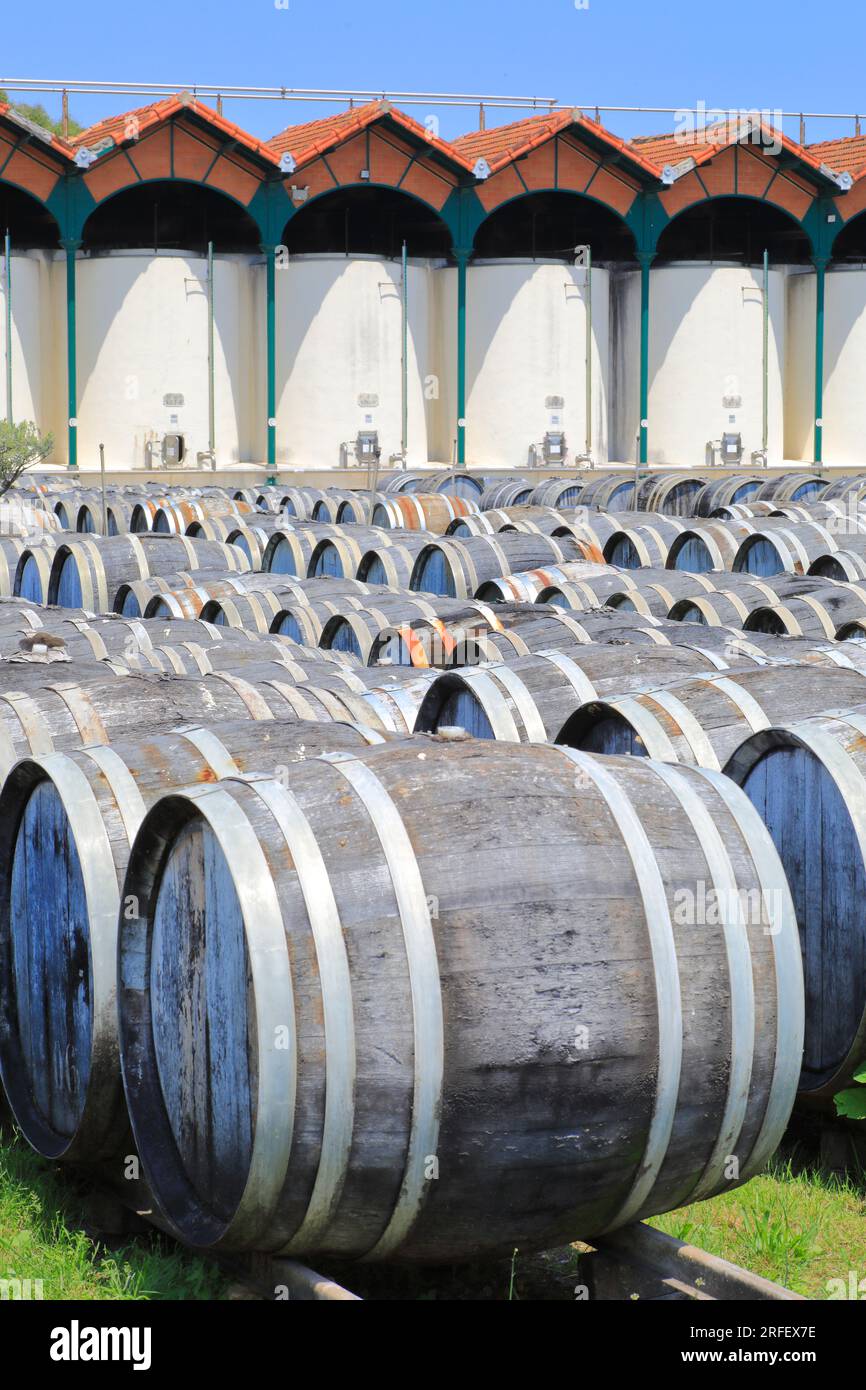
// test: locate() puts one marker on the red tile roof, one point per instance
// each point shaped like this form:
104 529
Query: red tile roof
847 155
149 117
50 139
501 144
308 141
674 146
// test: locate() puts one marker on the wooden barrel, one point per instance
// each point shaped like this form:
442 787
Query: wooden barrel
721 492
177 518
743 511
391 564
89 573
33 566
276 935
846 488
713 547
557 493
705 718
131 599
457 482
444 623
806 780
657 599
513 518
458 568
635 547
433 512
813 615
408 482
671 494
610 492
792 487
289 552
68 819
531 699
718 609
790 549
525 586
840 564
354 509
509 492
11 548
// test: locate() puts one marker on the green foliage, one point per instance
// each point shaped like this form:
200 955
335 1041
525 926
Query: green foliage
20 445
851 1103
39 116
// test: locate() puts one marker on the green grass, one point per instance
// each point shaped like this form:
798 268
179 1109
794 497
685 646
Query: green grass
41 1238
795 1225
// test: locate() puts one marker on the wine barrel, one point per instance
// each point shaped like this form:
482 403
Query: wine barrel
433 512
814 615
90 571
391 564
557 493
713 547
611 492
510 492
458 568
806 780
670 494
67 823
847 565
355 509
784 549
33 566
655 600
720 1027
637 547
721 492
791 487
846 488
531 699
704 719
525 586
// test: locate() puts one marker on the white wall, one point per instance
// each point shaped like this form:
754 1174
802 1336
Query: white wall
706 344
141 334
800 369
339 336
31 341
844 366
526 341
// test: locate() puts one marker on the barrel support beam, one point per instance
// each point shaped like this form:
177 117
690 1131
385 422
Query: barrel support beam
71 247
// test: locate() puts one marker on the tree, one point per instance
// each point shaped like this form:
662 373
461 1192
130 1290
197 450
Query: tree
39 116
20 445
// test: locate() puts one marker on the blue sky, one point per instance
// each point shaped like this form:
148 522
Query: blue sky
623 52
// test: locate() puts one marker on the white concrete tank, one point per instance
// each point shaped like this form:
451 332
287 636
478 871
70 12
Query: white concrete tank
526 359
32 341
705 361
142 337
844 409
339 357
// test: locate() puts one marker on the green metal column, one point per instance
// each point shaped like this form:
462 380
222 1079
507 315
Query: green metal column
271 263
820 273
71 247
646 259
462 263
8 288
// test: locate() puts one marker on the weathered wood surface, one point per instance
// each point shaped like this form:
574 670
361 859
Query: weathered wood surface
458 568
703 719
414 511
483 1054
66 823
721 492
819 614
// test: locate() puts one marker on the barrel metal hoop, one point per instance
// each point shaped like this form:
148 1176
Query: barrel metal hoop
689 727
428 1024
252 698
83 711
740 980
577 679
523 701
666 975
212 749
650 731
493 703
790 1001
741 700
123 787
273 992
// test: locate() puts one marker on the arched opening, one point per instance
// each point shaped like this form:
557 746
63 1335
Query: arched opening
551 226
368 221
28 222
171 215
849 248
734 230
